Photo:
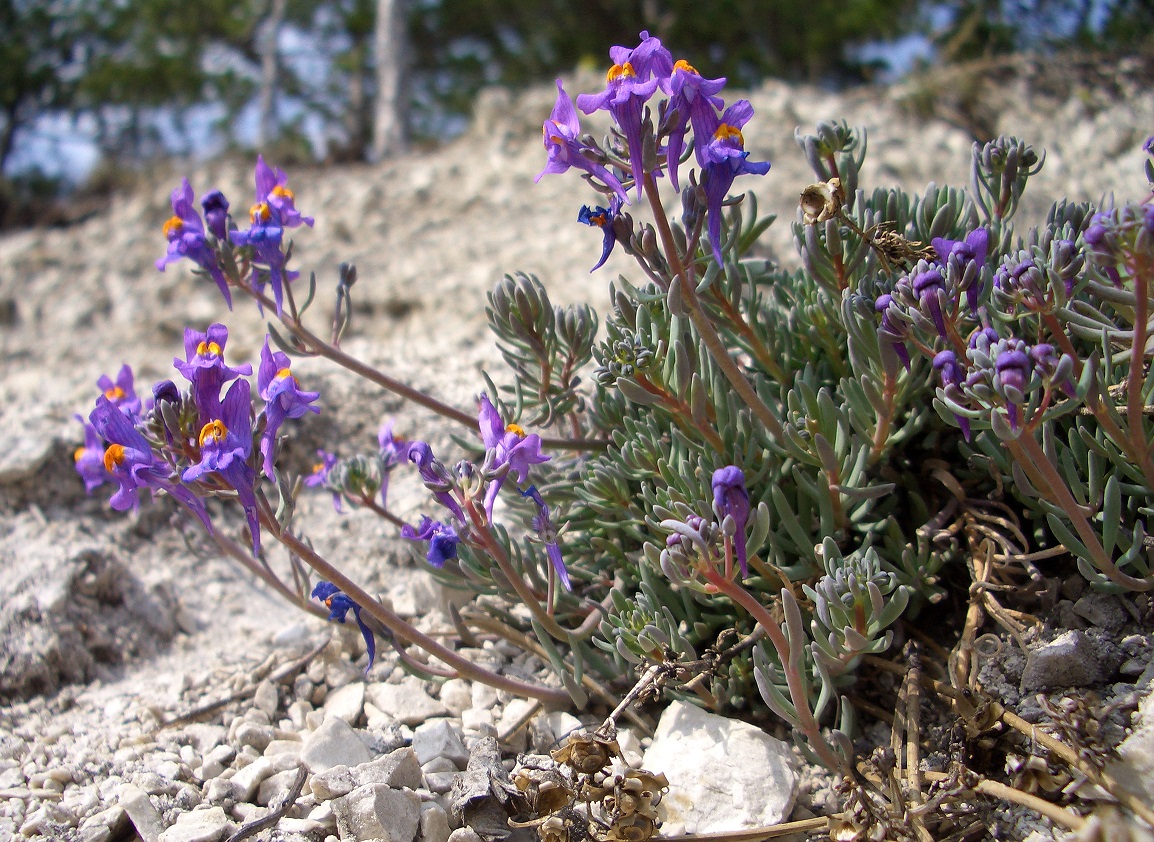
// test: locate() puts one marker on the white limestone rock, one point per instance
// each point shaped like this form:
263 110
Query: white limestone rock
333 743
723 774
378 812
407 702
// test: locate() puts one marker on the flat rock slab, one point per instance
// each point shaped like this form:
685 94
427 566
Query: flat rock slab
723 774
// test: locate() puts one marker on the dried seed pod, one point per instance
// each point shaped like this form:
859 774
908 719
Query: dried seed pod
822 201
587 753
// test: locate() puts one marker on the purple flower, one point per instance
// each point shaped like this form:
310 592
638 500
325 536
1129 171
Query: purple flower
1148 146
1103 244
725 158
203 366
320 475
442 539
1049 364
602 218
271 190
929 287
264 236
393 451
165 392
695 99
339 606
631 81
560 134
946 364
435 476
89 459
225 446
121 393
283 399
185 233
1012 370
547 531
130 461
892 329
510 449
972 249
216 213
731 499
273 212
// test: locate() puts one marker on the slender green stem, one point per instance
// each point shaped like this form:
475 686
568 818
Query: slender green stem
399 627
234 549
805 718
700 319
1137 375
318 346
497 553
1033 460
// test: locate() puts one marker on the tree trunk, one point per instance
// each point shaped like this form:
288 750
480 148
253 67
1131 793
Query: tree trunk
390 123
358 119
269 67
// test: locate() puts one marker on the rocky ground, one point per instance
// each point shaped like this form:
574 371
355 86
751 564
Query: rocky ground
152 688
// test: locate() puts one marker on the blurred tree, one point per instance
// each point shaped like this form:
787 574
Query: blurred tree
32 58
985 28
463 44
390 47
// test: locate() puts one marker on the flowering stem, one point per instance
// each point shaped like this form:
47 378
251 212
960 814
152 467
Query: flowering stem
493 547
373 506
316 345
700 319
1134 397
681 411
793 677
399 627
756 347
232 548
1033 460
882 431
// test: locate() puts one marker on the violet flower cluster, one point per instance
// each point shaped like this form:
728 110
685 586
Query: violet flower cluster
196 444
693 112
215 243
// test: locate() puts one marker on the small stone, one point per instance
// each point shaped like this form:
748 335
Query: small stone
407 702
516 713
283 747
208 825
333 743
465 834
1069 660
346 702
484 696
296 636
141 813
332 783
297 712
562 724
257 736
724 774
266 697
1103 610
477 721
275 787
399 769
220 790
456 695
250 776
434 823
375 811
438 738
